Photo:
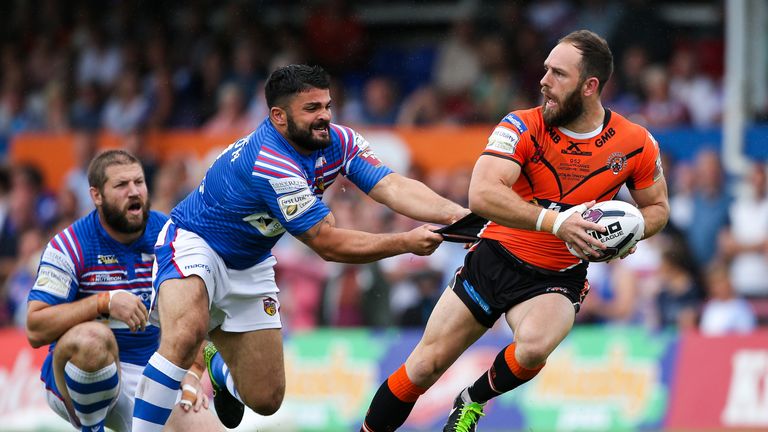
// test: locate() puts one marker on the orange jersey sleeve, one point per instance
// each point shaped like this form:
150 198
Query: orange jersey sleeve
561 169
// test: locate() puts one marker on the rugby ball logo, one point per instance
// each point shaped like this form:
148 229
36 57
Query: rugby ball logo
624 224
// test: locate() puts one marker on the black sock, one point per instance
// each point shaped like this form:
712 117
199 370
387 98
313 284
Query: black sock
500 378
386 412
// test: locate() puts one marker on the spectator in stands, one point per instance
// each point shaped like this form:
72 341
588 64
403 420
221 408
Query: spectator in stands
169 185
629 82
682 189
230 117
247 68
335 37
600 16
711 201
32 206
680 294
134 141
494 94
380 102
100 61
158 83
8 234
84 147
696 91
429 284
724 311
85 110
48 109
128 108
744 241
659 110
22 277
457 65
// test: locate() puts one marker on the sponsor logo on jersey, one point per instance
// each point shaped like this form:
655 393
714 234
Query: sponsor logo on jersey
503 140
361 142
107 259
289 184
574 149
516 122
270 306
145 257
553 135
293 205
266 224
369 156
53 281
616 162
604 137
106 277
58 259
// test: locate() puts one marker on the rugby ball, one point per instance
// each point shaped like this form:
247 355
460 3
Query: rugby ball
625 226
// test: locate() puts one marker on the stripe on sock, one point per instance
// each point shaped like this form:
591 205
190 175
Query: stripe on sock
402 387
514 366
156 394
92 393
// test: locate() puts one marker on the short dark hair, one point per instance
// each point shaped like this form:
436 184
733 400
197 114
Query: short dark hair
292 79
596 57
97 170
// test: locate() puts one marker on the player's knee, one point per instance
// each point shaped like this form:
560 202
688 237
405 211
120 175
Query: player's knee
265 402
427 370
90 345
533 354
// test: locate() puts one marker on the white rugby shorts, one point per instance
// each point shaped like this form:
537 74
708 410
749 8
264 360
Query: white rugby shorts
238 300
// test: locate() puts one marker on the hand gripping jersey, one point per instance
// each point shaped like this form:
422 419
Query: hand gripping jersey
260 186
84 260
561 169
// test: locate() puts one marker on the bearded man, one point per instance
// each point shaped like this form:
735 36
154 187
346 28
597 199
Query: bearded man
90 300
541 168
215 271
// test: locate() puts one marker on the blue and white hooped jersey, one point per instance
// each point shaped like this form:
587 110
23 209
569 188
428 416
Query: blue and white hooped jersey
84 260
260 187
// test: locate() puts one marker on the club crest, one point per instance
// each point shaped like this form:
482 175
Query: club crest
270 306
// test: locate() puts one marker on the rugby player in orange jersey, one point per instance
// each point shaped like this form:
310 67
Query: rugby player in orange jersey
540 170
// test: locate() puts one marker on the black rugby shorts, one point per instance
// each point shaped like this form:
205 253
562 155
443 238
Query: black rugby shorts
493 280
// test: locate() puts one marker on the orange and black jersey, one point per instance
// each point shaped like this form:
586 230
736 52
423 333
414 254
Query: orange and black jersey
561 169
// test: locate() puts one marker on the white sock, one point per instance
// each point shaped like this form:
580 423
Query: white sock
92 393
156 394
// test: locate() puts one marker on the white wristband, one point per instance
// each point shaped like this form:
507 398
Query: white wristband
540 219
112 294
563 215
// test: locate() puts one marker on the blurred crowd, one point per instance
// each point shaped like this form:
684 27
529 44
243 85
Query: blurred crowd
130 67
201 64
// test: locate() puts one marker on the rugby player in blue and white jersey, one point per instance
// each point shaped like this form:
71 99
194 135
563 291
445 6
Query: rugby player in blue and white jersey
214 262
90 303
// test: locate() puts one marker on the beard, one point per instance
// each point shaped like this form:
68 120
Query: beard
118 220
569 110
304 138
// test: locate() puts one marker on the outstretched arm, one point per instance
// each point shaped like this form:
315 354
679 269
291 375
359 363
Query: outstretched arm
414 199
356 247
